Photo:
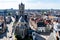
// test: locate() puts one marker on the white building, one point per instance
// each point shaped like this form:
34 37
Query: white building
41 26
56 30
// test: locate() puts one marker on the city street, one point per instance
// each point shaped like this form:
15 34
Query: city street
10 29
9 34
37 36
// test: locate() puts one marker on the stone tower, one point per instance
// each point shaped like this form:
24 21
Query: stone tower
21 9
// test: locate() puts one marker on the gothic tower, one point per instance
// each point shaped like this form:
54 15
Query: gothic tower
21 9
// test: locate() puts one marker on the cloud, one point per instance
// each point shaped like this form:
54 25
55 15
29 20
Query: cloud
29 4
8 0
8 5
42 5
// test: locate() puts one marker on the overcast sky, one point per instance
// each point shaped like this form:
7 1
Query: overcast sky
30 4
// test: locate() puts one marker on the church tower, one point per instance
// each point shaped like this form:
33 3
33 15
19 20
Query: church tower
21 9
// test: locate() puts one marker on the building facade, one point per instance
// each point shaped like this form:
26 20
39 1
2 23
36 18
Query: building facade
56 31
21 29
2 25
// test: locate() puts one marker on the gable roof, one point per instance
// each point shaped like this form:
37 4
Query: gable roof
21 19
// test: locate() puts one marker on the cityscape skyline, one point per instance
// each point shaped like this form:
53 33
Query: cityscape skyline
29 20
30 4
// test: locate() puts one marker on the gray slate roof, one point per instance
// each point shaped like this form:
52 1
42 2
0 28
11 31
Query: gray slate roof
21 19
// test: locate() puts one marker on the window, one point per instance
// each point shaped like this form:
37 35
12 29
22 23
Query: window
58 26
59 33
41 24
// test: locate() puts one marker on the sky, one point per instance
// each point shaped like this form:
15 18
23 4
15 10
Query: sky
30 4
